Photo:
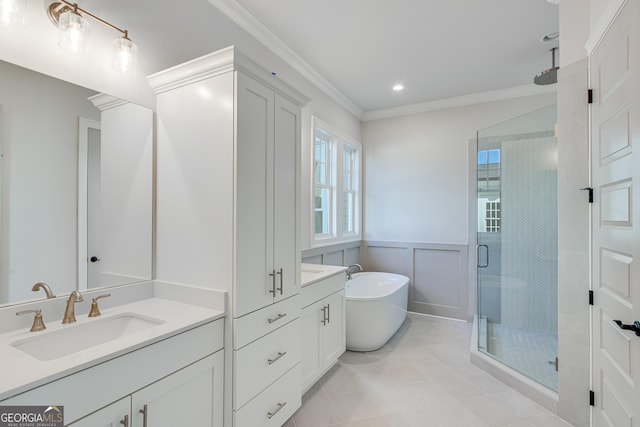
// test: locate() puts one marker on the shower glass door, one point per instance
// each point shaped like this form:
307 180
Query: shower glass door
517 252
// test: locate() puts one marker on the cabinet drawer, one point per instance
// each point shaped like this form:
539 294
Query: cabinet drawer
320 289
263 361
254 325
275 405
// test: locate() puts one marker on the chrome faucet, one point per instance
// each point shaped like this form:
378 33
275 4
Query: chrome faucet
45 288
353 268
69 312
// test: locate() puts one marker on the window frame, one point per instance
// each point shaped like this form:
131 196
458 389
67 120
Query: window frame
339 142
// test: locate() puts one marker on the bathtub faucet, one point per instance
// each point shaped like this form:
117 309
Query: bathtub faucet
353 268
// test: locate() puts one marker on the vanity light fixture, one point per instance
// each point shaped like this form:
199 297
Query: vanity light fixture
74 31
12 14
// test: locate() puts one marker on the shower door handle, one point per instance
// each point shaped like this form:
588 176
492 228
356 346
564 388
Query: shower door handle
486 264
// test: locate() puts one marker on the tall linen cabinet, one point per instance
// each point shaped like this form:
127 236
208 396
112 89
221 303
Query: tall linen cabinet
227 196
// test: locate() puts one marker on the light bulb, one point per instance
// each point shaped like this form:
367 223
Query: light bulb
73 32
125 55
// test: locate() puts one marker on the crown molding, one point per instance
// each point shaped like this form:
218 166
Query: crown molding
238 14
459 101
217 63
103 101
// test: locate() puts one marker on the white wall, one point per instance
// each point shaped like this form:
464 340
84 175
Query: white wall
35 48
39 180
416 170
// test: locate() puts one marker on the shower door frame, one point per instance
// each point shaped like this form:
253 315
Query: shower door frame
473 271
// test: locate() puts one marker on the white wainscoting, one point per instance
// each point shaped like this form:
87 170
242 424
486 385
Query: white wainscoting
438 274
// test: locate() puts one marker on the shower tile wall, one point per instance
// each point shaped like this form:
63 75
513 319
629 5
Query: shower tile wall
529 261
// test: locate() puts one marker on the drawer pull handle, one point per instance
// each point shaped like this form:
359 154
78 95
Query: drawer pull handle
275 359
324 315
125 422
278 317
280 406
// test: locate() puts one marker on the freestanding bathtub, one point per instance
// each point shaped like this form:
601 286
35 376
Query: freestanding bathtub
376 307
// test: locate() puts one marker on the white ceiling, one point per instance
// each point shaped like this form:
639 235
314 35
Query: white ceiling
357 48
437 48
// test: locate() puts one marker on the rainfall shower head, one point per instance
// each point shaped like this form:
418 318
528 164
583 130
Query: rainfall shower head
550 75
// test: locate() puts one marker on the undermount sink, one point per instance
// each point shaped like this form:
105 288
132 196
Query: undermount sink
74 338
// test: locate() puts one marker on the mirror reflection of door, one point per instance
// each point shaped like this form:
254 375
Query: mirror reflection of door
89 154
93 209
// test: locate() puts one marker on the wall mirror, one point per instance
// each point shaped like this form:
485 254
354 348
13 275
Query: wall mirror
75 187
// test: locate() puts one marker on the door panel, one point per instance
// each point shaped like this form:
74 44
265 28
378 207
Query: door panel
615 78
286 179
254 285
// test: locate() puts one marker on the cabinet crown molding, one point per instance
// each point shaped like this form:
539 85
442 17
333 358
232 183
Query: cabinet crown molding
222 61
103 101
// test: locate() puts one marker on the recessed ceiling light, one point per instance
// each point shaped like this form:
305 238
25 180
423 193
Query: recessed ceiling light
398 88
550 37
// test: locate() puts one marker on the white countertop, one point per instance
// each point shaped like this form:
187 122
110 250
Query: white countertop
310 273
179 307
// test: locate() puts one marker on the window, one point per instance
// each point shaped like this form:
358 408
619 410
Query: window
489 190
336 183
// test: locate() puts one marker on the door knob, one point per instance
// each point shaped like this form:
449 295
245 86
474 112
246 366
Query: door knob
94 259
635 327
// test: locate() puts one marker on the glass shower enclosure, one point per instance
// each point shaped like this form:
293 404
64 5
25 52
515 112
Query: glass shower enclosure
517 250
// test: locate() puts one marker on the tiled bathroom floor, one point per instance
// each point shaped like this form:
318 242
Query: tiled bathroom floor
421 377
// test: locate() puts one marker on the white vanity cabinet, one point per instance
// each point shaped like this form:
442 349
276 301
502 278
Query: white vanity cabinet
227 217
228 179
323 327
185 397
267 129
179 381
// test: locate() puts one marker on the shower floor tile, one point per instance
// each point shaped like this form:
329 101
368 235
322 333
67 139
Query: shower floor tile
421 377
530 352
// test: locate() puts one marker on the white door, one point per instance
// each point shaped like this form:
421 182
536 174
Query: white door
615 78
